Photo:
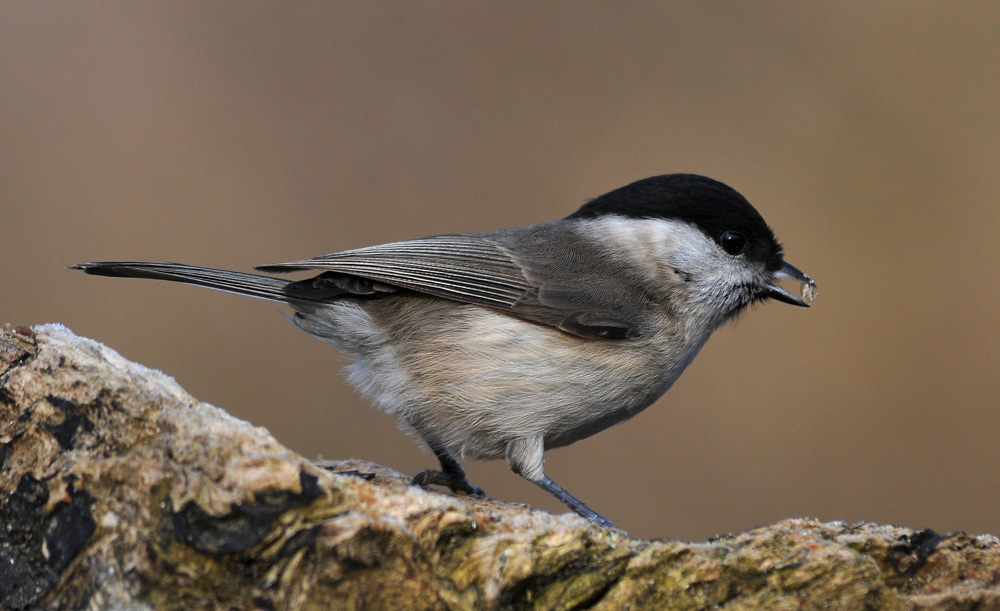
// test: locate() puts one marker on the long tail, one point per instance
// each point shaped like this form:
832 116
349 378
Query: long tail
253 285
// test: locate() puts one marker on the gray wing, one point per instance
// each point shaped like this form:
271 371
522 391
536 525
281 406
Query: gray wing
545 273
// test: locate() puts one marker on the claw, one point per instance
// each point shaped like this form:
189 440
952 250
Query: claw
453 481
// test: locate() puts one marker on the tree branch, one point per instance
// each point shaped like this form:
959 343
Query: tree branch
117 488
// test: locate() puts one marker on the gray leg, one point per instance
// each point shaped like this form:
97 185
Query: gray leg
451 475
526 458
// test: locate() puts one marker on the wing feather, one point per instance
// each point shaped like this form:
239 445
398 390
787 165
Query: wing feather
463 267
585 294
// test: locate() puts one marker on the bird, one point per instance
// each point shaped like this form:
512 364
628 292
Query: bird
504 344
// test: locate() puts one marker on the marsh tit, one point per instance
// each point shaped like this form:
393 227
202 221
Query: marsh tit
504 344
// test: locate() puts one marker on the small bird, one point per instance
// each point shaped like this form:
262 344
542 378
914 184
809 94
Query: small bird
507 343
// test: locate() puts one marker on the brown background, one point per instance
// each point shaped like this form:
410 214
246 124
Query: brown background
234 134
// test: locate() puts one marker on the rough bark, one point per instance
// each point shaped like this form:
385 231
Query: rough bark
120 490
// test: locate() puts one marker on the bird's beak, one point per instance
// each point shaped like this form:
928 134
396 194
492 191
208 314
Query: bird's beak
808 290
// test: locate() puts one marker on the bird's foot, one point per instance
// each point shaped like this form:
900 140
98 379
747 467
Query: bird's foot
455 481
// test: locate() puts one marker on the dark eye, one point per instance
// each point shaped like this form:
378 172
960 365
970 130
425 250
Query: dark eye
733 242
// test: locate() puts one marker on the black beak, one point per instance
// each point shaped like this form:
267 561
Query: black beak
808 290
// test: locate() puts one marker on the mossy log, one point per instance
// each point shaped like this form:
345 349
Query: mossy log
120 490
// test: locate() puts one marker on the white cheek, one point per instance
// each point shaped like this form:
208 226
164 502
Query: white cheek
680 259
665 250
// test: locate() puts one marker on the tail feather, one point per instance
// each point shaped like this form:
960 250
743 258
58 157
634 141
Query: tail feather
252 285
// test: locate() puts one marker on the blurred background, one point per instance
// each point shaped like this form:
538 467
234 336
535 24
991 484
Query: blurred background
236 134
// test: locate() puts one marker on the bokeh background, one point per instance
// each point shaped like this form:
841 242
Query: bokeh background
242 133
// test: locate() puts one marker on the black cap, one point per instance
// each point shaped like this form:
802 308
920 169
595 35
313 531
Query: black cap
710 205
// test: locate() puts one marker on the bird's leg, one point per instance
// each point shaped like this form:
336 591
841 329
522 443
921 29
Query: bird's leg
451 475
526 458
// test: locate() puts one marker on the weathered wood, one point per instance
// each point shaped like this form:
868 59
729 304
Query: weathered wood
118 489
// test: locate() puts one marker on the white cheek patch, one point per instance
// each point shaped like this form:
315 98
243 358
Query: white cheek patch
665 249
689 267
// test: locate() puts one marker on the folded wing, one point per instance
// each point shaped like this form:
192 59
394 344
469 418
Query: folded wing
537 273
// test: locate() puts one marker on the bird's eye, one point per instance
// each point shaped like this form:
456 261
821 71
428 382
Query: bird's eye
733 242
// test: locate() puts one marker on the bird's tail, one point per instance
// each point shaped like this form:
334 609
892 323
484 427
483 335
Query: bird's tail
252 285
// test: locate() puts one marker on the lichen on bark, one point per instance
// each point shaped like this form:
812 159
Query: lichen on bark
117 488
